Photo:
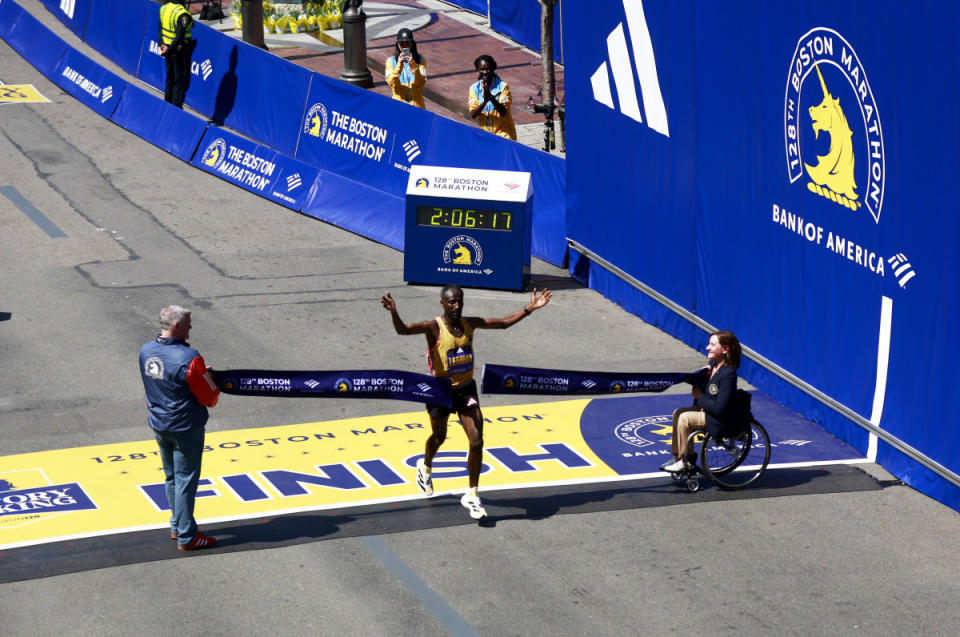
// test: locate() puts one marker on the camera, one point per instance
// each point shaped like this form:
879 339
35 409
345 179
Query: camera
545 109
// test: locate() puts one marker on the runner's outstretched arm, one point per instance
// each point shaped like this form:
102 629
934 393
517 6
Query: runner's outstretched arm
537 300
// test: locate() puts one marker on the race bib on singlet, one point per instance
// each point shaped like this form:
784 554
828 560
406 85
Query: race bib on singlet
459 360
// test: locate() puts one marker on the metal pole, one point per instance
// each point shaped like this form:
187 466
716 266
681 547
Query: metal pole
355 69
251 14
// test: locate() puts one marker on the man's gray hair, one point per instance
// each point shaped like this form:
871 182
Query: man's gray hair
170 315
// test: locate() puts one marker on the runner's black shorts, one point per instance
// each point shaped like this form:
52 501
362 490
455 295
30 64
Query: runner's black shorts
464 399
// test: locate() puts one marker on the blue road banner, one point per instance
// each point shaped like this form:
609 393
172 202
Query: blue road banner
174 130
116 30
380 383
38 45
89 82
73 13
256 168
507 379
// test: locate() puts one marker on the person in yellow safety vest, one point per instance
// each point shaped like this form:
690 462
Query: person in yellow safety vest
176 46
406 71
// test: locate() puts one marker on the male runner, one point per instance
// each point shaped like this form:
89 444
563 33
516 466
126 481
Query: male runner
450 355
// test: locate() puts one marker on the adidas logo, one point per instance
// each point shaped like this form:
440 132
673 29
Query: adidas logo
293 181
106 94
901 269
624 78
206 68
411 149
68 6
312 384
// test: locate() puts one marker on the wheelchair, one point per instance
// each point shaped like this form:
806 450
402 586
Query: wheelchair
729 462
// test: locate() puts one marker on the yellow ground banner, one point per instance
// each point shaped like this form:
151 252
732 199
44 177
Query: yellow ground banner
20 93
69 493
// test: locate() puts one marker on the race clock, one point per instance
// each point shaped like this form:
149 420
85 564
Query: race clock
466 226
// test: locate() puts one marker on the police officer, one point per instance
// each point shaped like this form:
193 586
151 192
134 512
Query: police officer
178 389
176 46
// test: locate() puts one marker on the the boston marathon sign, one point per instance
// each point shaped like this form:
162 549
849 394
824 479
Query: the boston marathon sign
256 168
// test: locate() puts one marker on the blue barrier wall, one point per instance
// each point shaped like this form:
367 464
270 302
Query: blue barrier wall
519 20
359 141
784 170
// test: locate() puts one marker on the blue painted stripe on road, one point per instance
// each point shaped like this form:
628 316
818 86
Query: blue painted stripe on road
32 213
450 619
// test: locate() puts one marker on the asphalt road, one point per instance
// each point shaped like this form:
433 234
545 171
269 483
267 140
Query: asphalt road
273 289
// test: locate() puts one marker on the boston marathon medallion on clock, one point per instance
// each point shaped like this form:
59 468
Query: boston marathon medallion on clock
469 227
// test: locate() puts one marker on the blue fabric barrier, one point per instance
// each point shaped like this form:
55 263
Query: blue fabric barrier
520 20
256 168
357 136
38 45
89 82
334 199
208 64
163 125
365 383
846 278
73 13
116 31
477 6
366 137
252 91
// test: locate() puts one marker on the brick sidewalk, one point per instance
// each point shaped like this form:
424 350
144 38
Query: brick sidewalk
450 46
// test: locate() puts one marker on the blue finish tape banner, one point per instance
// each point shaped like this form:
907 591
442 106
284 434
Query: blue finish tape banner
163 125
384 383
89 82
40 46
507 379
117 31
256 168
73 13
798 214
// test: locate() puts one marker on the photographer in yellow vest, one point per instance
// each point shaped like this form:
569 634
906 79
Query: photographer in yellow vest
176 47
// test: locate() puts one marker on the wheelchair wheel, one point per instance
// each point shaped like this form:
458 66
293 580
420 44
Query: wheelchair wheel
737 462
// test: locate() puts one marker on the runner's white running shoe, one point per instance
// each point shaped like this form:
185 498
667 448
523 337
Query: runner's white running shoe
424 479
472 503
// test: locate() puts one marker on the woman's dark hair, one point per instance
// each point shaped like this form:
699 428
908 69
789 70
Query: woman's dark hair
728 340
406 35
485 58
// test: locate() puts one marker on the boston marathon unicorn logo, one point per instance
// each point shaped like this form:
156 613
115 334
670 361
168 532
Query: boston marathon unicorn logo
315 123
832 130
834 171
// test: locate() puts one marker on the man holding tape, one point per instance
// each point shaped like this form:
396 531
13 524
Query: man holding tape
176 47
450 354
179 389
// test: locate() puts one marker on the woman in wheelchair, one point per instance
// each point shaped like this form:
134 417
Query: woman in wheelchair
715 406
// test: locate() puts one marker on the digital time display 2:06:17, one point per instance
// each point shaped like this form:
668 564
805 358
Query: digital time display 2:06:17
464 218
